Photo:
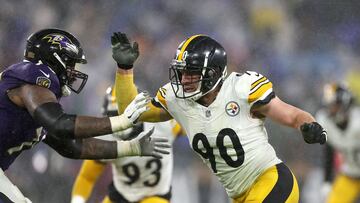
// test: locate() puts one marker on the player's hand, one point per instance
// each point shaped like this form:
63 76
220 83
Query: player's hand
313 133
152 146
122 52
137 107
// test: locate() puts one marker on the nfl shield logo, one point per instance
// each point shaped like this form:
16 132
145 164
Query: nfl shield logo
232 108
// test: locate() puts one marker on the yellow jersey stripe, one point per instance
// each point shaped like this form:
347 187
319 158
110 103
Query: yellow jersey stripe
161 98
257 82
258 86
187 42
163 92
259 92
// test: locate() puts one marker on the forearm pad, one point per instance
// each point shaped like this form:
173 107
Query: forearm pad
68 148
53 118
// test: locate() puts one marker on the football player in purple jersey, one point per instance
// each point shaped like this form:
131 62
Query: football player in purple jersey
30 110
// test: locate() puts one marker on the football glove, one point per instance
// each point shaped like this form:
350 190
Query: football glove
131 113
122 52
313 133
152 146
144 145
137 107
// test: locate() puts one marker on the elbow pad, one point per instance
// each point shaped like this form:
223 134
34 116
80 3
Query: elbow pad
53 118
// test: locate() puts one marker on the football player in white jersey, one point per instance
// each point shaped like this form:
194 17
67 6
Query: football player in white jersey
135 179
341 119
222 117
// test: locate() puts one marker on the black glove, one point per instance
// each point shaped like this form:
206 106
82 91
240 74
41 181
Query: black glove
313 133
122 52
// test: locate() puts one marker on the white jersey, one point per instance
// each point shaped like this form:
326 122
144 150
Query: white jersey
139 177
225 135
346 142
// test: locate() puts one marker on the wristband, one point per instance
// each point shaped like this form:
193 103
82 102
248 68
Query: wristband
128 148
125 66
120 122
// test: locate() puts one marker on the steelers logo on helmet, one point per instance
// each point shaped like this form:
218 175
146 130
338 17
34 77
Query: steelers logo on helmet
232 108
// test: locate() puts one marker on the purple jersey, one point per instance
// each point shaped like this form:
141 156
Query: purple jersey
18 128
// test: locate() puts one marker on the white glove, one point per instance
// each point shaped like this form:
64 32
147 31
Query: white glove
144 145
131 113
137 107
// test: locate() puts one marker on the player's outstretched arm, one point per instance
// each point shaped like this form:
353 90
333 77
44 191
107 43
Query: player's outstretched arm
291 116
86 179
92 148
45 109
125 55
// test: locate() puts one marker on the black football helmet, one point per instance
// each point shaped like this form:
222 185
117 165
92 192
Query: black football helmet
200 55
59 50
338 100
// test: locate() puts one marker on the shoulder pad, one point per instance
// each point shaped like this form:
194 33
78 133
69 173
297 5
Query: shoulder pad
260 87
36 74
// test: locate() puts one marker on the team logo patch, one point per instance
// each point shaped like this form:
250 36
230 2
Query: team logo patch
232 108
43 81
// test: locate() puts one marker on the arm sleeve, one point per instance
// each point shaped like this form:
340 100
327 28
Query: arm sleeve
70 148
89 173
89 148
125 92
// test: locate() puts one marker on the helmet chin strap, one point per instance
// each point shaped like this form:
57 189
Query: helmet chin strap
65 90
